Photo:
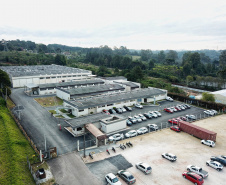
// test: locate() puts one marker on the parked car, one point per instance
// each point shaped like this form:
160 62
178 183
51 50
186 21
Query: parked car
142 130
105 111
153 127
116 137
158 113
178 108
137 105
144 167
133 120
192 117
123 109
219 159
153 114
181 107
187 106
208 142
173 121
126 176
147 115
112 179
223 156
175 128
138 118
208 112
197 170
131 133
182 118
214 164
112 111
169 156
173 109
214 111
118 110
128 108
142 117
168 110
128 122
169 98
193 177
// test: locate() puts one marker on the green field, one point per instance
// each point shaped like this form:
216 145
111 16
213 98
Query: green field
13 151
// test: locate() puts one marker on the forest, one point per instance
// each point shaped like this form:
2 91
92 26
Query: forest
203 69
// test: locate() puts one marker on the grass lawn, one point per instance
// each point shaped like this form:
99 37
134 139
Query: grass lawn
64 111
49 101
52 111
71 115
13 151
59 116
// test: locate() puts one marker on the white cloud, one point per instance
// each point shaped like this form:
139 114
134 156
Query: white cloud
150 24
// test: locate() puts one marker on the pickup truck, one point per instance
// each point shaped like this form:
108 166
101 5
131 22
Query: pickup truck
197 170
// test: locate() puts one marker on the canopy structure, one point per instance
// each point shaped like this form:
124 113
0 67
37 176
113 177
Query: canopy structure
95 132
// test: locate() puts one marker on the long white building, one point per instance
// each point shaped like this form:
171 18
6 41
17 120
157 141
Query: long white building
21 76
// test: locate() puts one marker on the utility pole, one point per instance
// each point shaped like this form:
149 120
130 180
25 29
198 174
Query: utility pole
84 142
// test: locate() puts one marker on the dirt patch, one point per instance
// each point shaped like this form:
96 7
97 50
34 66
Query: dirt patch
49 101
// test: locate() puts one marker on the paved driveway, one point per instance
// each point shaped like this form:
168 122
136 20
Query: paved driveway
70 169
38 124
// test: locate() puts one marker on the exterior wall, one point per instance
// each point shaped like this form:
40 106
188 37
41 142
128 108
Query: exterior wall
62 95
47 91
22 81
107 128
77 131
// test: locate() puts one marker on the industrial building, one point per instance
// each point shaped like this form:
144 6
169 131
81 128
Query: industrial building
95 104
21 76
43 89
67 94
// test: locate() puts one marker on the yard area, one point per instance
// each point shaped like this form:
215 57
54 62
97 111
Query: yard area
49 101
148 148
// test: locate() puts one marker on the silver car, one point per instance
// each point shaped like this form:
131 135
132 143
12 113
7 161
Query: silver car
142 130
153 127
138 118
158 113
131 133
142 117
144 167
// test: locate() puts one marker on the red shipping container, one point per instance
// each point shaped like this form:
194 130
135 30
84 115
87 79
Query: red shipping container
197 131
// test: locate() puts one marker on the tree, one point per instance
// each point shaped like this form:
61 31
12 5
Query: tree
189 79
5 81
161 57
172 55
60 60
222 58
208 97
151 64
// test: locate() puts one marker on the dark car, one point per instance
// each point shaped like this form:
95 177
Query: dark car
126 176
118 110
111 111
128 108
128 122
147 115
175 128
193 177
219 159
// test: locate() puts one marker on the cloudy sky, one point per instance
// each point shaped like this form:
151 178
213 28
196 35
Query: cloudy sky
136 24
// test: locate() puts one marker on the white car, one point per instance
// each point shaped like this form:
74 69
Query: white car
208 112
214 164
142 117
116 137
158 113
144 167
174 109
169 98
208 143
123 109
153 127
112 179
137 105
190 117
138 118
169 156
153 114
214 111
131 133
142 130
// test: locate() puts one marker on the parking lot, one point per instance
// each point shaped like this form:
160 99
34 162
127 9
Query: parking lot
149 147
162 121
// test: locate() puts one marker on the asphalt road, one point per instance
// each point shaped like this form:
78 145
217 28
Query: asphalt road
38 124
